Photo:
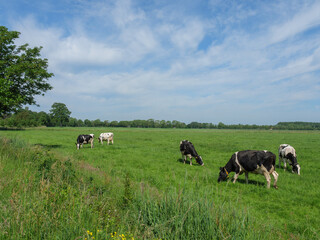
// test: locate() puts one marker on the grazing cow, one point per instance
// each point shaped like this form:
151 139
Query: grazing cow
187 149
106 137
287 152
84 139
261 162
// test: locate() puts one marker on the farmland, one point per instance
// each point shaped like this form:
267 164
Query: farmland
149 161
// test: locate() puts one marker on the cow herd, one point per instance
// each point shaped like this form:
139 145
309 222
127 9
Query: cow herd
85 139
253 161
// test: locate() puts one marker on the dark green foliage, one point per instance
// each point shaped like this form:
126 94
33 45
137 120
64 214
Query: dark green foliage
60 114
23 74
297 126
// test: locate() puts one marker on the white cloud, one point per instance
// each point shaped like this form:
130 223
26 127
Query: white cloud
305 19
189 35
124 15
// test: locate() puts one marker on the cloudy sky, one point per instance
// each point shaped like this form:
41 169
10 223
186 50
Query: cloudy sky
249 62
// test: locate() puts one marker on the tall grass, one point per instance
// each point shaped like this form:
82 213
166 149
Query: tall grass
182 217
43 197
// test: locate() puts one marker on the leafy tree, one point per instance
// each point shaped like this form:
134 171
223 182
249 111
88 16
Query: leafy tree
43 119
60 114
113 124
73 122
87 123
97 123
80 123
23 74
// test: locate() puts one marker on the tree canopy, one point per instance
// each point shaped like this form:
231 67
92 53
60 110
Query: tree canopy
60 114
23 73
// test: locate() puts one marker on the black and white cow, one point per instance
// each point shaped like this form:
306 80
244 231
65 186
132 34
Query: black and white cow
84 139
187 150
106 137
259 162
287 152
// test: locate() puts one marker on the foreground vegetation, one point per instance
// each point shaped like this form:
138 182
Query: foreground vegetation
139 188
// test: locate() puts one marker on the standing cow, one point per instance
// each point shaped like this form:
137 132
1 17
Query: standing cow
287 152
259 162
84 139
187 150
106 137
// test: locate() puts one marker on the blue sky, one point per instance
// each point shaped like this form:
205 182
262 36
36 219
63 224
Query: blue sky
249 62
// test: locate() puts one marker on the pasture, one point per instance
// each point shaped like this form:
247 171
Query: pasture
152 160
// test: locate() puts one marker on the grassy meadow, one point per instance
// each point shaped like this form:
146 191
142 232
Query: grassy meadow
139 186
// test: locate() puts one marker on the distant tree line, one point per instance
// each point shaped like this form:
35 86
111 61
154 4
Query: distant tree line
59 116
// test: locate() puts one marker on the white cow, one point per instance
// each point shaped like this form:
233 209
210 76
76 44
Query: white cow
287 152
106 137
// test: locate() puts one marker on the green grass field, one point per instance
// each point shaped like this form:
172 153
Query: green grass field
151 160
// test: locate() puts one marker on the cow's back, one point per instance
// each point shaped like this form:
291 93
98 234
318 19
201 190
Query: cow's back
250 160
284 149
105 136
183 145
187 147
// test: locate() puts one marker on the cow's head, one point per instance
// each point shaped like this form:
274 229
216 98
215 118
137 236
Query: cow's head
199 160
223 175
99 139
294 163
296 168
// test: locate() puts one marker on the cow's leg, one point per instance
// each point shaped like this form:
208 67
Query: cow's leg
108 141
236 177
190 160
268 178
291 164
91 144
275 175
285 164
247 177
184 158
